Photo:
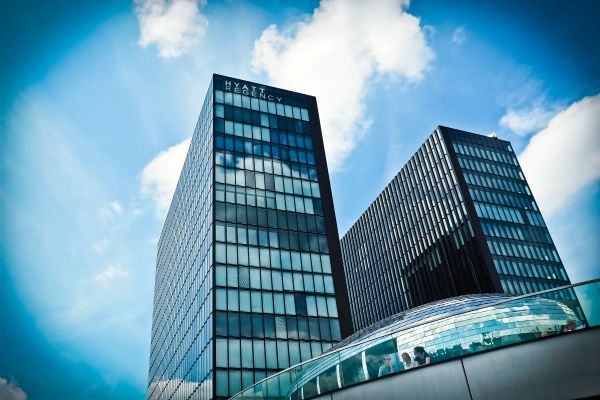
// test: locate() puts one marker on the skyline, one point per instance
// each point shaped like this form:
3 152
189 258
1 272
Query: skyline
99 102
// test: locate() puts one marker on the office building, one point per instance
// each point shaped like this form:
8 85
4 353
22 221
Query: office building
459 218
249 278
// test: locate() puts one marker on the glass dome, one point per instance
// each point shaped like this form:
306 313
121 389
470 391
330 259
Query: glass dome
433 333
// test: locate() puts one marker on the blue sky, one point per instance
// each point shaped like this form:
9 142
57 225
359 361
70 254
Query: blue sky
98 100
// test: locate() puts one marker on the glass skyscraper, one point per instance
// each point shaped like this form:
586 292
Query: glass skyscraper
459 218
249 278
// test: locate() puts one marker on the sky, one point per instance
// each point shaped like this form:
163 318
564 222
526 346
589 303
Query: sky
99 99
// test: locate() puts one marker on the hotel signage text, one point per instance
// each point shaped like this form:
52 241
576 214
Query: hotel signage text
249 90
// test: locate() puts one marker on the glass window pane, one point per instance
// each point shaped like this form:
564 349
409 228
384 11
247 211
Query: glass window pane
232 300
282 354
221 276
308 283
232 277
221 323
233 324
221 356
280 328
277 280
335 329
290 306
303 329
254 278
311 305
328 280
244 300
266 279
256 300
247 358
221 298
279 306
271 353
257 326
332 307
267 303
235 382
259 353
234 353
269 326
222 383
294 349
287 281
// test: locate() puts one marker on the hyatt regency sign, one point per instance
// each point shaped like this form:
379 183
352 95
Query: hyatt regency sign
254 91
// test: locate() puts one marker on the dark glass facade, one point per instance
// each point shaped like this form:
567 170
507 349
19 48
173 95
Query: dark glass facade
249 278
459 218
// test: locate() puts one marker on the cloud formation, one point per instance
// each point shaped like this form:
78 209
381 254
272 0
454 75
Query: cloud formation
173 26
111 272
524 121
10 391
333 54
458 37
564 158
100 246
111 212
160 176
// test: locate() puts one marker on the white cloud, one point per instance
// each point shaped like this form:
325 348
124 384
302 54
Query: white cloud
10 391
112 210
116 207
524 121
174 26
113 271
160 176
100 246
333 54
563 158
458 37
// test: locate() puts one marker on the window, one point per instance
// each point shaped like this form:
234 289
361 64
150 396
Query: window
301 304
281 327
256 301
257 326
221 299
222 383
267 302
221 323
259 353
247 358
311 305
221 353
233 324
282 354
271 353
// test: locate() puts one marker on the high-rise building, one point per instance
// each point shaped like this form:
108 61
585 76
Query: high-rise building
459 218
249 278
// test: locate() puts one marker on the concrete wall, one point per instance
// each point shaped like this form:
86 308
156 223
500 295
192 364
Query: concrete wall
561 367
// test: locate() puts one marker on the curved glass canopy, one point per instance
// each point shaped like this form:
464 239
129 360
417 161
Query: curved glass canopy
434 333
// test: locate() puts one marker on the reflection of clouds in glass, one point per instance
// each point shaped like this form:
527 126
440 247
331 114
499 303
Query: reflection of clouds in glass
589 297
446 329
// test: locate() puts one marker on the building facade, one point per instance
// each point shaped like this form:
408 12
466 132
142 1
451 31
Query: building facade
249 278
459 218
